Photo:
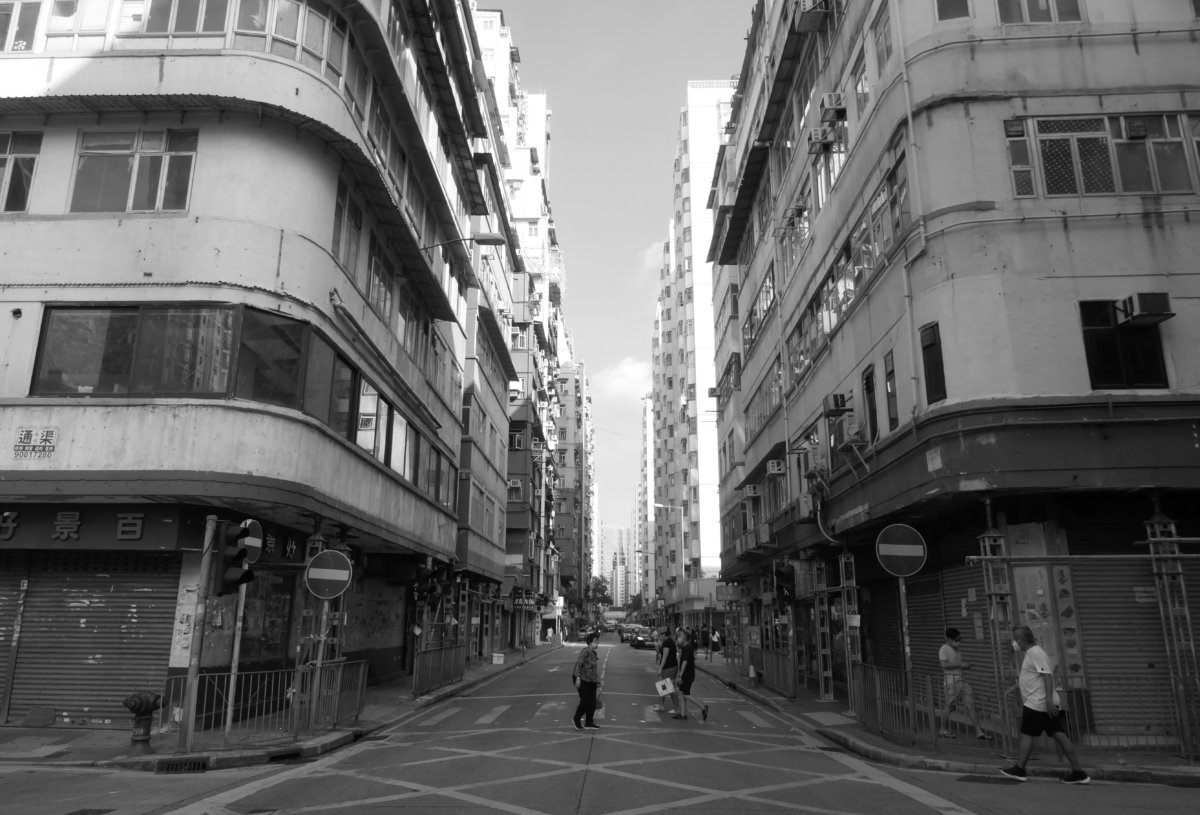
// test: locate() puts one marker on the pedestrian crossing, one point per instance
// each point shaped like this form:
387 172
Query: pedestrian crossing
617 712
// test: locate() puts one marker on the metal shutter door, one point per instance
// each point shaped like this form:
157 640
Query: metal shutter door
886 647
926 625
96 626
1124 656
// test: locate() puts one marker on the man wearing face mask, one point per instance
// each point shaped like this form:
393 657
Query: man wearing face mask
1040 712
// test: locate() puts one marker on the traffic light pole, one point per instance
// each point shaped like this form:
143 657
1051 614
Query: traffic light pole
235 658
188 725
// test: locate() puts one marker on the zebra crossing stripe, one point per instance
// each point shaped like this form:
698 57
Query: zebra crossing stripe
493 715
438 718
753 719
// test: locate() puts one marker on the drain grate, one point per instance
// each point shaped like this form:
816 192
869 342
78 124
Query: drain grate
186 765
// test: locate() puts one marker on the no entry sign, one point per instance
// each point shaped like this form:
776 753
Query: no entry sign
328 574
900 549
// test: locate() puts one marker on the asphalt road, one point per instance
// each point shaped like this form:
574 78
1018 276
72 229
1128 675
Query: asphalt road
508 746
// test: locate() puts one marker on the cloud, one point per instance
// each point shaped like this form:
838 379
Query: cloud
626 381
650 261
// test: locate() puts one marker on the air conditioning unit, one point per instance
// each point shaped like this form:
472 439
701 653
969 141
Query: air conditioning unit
713 393
807 505
821 139
833 107
854 431
776 466
538 444
764 534
1145 308
514 484
835 404
750 491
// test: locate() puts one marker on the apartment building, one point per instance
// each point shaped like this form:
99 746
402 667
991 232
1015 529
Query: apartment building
954 305
684 513
241 281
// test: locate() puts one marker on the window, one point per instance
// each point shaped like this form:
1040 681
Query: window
868 390
269 361
85 18
1196 8
161 351
953 9
381 281
347 227
190 16
931 358
1120 356
18 21
134 171
1039 11
1114 154
883 38
1020 158
889 387
862 91
18 156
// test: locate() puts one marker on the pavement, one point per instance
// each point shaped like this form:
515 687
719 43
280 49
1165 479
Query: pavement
389 703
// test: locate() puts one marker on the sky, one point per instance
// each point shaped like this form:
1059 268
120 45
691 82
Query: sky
615 74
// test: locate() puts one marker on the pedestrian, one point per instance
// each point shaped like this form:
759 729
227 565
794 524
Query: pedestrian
669 669
586 677
955 685
705 639
716 641
1040 709
687 675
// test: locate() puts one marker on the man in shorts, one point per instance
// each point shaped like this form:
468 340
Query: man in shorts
955 686
1040 711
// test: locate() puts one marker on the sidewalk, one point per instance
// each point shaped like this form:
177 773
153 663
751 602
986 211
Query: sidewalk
837 724
385 704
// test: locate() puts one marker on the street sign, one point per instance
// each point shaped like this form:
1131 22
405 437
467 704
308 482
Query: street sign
901 550
328 574
251 539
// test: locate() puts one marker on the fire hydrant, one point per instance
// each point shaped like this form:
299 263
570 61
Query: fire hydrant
142 704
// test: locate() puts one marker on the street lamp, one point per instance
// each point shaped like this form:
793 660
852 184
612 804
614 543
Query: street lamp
478 238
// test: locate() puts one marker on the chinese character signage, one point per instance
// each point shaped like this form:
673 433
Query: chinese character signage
35 442
69 526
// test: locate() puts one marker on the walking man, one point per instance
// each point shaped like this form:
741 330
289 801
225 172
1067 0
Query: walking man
687 675
956 687
669 669
1040 712
586 677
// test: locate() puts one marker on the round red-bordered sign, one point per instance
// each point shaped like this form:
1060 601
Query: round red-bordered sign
328 574
901 550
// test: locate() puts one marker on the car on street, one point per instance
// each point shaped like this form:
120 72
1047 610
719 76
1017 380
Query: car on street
641 637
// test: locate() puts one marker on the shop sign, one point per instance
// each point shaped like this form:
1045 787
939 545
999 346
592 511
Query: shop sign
112 527
35 442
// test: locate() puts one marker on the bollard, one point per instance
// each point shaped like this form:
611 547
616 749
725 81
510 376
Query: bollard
142 704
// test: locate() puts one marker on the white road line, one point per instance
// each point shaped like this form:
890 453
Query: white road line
437 717
753 718
493 715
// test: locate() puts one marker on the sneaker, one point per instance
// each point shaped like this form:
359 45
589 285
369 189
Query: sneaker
591 726
578 726
1075 777
1014 772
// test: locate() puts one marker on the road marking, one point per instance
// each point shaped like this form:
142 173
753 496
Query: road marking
754 719
437 717
493 715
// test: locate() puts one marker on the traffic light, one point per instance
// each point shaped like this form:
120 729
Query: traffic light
236 547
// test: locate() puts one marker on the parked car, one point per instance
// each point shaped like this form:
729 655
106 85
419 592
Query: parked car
641 637
623 632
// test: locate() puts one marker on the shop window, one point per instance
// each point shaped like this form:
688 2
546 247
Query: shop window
931 357
1120 355
18 156
134 171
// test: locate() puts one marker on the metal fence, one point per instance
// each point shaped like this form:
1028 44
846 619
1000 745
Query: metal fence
265 707
434 667
1151 720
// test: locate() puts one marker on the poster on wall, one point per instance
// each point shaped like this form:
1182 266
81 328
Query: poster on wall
1068 628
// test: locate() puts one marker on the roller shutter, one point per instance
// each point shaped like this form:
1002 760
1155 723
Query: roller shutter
883 625
1124 654
926 624
95 627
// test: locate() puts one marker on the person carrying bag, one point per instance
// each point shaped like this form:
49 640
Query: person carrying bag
586 677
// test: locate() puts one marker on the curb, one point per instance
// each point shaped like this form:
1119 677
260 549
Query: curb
315 746
1129 775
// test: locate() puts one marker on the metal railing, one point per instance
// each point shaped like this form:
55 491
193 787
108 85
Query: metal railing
1114 712
266 707
438 666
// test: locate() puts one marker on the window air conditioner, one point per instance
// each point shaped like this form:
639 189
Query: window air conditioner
750 491
854 431
514 484
806 505
835 404
1145 308
713 393
821 139
833 107
538 444
775 466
